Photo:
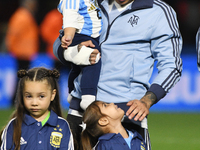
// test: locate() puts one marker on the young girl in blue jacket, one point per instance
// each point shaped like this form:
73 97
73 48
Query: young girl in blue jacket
37 122
103 130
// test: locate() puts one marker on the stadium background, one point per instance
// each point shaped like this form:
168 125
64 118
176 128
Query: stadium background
173 122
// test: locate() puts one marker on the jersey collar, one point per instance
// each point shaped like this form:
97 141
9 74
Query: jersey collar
109 136
52 121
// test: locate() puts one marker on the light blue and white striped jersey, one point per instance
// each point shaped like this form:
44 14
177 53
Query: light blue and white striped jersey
198 48
84 15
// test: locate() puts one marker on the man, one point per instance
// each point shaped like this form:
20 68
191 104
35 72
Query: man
135 35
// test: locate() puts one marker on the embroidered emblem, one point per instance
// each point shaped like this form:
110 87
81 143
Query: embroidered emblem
55 138
133 20
22 141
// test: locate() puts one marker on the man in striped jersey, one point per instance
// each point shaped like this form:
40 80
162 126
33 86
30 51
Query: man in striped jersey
198 48
135 35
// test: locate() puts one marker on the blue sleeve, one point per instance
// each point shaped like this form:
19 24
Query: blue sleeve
166 47
67 142
198 48
7 137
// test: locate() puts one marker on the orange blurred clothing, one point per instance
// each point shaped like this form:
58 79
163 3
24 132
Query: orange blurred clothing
49 29
22 37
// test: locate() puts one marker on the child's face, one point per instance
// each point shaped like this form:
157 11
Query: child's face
37 97
111 110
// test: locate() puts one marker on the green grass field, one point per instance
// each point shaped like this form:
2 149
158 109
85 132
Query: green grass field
174 131
168 131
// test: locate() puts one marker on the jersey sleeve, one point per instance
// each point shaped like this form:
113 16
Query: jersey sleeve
7 137
69 9
198 48
166 46
67 142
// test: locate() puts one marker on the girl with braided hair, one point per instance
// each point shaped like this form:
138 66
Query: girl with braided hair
37 122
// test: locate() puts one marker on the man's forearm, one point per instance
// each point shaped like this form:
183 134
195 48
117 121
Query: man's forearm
149 99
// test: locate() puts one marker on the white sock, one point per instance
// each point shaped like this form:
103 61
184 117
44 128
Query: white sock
86 101
69 98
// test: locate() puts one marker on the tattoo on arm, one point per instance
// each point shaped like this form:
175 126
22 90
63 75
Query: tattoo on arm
149 98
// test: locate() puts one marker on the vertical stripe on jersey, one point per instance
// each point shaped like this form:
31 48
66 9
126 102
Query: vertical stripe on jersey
173 24
147 139
60 7
70 4
4 136
71 141
87 22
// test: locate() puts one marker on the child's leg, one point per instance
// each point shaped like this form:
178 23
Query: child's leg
74 123
74 119
89 81
90 73
75 71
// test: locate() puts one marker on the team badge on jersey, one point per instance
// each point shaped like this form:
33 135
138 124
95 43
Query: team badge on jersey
133 20
55 138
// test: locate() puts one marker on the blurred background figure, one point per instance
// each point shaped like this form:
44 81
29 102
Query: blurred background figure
22 37
49 31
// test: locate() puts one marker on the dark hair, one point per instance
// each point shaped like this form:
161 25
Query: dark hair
34 74
90 135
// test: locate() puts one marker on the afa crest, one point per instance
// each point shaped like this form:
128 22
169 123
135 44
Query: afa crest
55 139
133 20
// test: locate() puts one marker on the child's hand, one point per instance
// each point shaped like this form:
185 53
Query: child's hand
66 41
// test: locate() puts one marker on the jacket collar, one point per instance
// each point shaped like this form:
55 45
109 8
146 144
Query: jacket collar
141 4
109 136
136 5
52 121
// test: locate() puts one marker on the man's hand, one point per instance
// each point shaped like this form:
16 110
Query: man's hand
140 108
93 55
87 44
